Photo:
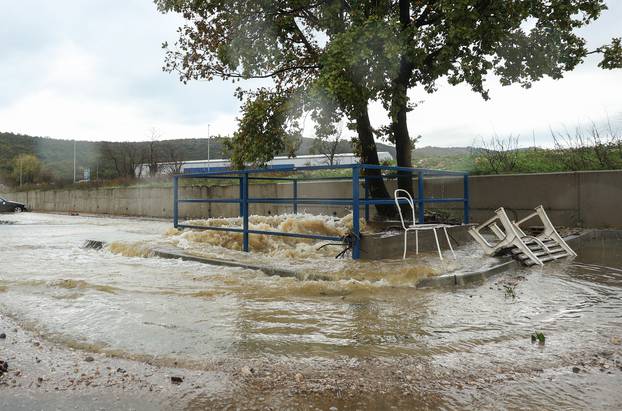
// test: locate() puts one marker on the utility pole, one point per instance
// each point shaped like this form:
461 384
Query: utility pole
20 171
74 161
208 148
533 135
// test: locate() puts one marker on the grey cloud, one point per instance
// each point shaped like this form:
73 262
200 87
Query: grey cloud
123 37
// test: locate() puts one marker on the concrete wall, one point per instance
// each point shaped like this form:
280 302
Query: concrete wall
587 199
580 199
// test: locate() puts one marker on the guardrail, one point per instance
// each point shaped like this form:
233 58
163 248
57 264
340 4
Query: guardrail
358 172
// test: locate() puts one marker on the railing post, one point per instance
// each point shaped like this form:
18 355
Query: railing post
175 201
420 199
466 199
356 231
365 183
241 196
295 196
245 212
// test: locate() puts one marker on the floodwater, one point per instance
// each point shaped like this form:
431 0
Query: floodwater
121 302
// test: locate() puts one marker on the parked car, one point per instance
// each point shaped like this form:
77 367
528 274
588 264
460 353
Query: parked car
7 206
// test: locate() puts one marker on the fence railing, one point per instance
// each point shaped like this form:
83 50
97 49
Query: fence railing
360 173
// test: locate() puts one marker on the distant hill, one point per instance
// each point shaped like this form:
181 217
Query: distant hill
57 155
444 158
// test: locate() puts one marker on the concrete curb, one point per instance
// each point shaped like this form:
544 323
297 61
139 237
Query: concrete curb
466 278
271 271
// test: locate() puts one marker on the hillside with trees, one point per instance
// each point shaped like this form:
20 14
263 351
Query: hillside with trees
114 160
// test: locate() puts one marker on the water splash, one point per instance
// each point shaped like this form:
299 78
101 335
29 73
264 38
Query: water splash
271 245
71 284
128 249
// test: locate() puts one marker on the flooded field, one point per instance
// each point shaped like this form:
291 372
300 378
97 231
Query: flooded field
365 340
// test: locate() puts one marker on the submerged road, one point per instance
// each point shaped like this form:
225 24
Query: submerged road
364 340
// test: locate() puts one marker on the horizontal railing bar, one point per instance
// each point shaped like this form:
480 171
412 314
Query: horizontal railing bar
300 201
415 200
262 232
290 199
273 178
296 235
328 201
205 227
348 178
210 200
210 176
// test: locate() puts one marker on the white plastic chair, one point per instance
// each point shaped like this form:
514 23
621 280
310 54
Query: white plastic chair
418 227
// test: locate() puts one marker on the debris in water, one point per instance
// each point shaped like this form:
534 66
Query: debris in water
176 380
247 371
509 290
93 244
2 336
538 336
89 359
4 366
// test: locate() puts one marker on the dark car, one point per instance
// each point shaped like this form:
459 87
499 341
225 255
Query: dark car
7 206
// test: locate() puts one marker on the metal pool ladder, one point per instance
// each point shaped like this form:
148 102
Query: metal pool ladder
528 249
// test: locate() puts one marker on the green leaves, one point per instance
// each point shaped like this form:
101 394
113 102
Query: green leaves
265 129
335 57
612 55
539 337
26 167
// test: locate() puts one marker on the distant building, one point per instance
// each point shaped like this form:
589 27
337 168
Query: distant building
204 166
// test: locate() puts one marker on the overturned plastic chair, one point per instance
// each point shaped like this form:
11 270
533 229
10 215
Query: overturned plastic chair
530 250
418 227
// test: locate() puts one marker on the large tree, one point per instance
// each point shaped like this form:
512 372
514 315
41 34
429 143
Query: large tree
286 42
26 169
333 57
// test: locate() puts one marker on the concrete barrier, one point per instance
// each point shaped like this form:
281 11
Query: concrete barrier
578 199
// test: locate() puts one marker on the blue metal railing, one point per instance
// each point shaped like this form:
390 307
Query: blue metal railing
245 176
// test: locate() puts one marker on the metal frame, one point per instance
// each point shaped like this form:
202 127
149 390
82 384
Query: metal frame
356 202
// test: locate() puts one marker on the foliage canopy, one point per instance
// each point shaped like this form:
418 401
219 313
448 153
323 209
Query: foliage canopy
336 56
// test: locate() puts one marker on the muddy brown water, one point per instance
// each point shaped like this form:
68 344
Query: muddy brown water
122 302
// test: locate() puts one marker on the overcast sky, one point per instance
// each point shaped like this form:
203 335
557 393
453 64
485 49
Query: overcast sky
91 70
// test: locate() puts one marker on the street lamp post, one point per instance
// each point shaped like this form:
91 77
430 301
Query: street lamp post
74 161
208 148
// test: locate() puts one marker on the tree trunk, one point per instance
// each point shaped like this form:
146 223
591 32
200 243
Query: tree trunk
399 109
369 155
403 146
